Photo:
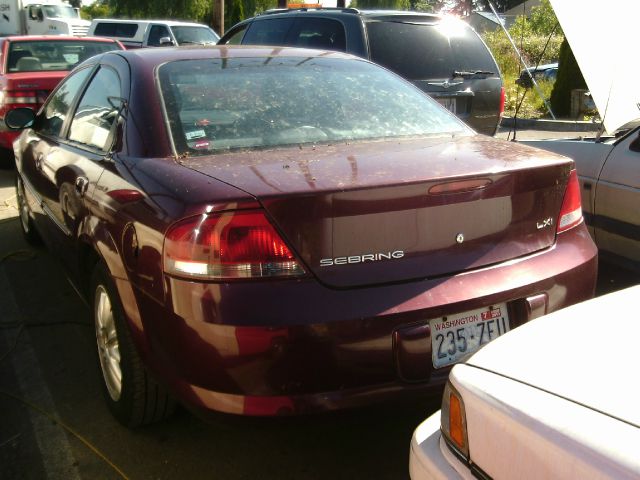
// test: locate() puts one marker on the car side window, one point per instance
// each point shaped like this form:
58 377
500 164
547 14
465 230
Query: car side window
97 111
156 33
272 31
52 118
236 37
320 33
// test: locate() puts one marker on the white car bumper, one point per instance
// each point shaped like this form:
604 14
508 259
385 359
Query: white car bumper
430 457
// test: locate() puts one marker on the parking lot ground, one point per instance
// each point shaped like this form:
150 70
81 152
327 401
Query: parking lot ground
55 425
48 364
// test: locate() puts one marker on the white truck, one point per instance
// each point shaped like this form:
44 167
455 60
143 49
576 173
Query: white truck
40 17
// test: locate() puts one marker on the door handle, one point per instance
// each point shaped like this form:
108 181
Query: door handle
39 158
82 184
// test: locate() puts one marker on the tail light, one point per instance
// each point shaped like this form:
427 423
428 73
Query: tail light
571 211
453 421
502 102
230 245
18 98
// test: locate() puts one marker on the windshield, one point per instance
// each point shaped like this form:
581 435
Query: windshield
53 55
187 35
250 103
59 11
426 51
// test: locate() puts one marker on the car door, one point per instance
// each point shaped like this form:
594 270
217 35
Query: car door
156 33
45 153
617 217
72 163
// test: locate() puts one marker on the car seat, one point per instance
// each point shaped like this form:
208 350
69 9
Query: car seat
28 64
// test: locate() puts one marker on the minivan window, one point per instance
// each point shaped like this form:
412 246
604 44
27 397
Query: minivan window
268 32
116 29
427 51
320 33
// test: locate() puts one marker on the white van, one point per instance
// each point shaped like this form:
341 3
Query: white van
153 33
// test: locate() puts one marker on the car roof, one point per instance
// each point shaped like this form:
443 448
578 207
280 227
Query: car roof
62 38
329 11
156 56
171 23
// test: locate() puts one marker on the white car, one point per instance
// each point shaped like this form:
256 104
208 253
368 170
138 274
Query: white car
558 397
609 177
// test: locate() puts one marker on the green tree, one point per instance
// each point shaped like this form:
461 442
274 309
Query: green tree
96 10
235 13
569 77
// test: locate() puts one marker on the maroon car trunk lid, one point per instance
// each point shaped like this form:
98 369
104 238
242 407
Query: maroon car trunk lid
393 211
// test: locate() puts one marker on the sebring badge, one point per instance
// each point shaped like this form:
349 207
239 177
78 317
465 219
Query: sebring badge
460 238
367 257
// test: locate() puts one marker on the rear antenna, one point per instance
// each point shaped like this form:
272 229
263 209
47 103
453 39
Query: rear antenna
526 68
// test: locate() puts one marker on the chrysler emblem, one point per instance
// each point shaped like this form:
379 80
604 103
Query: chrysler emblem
459 238
445 84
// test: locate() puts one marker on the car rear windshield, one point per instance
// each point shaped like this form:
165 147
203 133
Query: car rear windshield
420 51
252 103
53 55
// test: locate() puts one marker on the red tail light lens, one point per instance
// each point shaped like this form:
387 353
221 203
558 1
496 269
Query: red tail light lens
571 211
502 101
18 98
230 245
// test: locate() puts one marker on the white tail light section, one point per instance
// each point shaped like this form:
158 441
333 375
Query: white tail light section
230 245
571 211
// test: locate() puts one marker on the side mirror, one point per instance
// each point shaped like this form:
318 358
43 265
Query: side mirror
634 146
166 42
19 118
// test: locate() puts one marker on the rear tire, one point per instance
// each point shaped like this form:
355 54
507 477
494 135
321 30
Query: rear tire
26 222
132 396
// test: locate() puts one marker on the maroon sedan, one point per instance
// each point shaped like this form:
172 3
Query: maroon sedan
265 231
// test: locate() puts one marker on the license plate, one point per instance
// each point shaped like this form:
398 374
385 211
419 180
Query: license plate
448 103
455 336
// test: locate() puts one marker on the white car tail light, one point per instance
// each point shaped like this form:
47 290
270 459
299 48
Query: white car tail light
571 211
230 245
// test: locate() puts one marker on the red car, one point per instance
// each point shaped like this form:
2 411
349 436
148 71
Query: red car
32 66
266 231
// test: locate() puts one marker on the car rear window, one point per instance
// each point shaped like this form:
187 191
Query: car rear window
53 55
252 103
419 51
116 29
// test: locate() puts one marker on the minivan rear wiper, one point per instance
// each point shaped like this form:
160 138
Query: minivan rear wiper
468 73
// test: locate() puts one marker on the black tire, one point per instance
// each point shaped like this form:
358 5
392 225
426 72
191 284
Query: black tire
26 222
134 398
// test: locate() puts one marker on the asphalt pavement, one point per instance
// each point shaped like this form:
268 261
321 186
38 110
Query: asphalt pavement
55 425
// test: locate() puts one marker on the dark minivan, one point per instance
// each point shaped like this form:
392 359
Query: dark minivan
443 56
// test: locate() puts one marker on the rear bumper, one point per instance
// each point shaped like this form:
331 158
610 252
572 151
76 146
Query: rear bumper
282 347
